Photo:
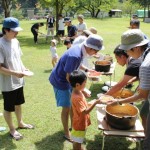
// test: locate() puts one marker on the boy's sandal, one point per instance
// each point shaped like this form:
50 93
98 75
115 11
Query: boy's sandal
17 137
68 139
27 126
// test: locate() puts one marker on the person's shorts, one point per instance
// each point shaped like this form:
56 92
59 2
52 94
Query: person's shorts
61 32
145 108
63 97
78 136
13 98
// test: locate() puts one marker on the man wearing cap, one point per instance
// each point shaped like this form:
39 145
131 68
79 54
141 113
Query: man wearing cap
59 78
134 43
71 29
81 25
11 75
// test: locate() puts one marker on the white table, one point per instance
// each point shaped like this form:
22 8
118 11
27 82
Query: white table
136 132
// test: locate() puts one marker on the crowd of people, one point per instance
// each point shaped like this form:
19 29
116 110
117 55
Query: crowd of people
68 77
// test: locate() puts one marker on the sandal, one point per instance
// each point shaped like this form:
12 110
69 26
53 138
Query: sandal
68 139
27 126
17 136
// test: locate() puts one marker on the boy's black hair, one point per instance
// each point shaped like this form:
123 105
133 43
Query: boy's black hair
66 42
77 76
120 52
135 22
3 30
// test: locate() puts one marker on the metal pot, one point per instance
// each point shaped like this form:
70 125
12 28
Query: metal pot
102 65
121 116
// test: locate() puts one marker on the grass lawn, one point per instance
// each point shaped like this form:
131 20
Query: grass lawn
40 108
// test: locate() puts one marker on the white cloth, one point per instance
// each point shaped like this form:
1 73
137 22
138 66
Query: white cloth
61 25
81 27
53 52
10 58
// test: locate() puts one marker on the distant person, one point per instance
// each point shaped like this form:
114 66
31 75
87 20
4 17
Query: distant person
11 76
54 54
50 24
80 107
35 30
134 24
81 25
61 26
71 29
59 78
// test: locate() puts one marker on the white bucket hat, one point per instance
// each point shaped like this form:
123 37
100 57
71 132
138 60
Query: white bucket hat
95 42
54 41
132 38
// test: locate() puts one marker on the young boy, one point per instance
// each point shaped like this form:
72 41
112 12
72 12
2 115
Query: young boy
81 110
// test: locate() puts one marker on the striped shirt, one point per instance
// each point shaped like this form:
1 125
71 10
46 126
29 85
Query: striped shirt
144 73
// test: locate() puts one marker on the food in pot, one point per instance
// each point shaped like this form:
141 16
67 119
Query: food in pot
121 116
102 62
102 65
125 93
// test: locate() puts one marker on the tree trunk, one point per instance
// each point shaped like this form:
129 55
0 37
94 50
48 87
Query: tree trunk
6 4
97 13
57 15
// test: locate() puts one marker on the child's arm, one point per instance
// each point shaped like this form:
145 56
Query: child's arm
87 110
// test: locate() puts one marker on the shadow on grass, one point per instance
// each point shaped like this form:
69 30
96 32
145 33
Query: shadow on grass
51 142
48 71
111 143
6 142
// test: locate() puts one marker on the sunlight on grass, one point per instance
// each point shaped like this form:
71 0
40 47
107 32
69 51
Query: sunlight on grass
40 108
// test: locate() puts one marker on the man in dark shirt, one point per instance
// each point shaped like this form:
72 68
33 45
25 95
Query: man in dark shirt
71 29
34 30
131 72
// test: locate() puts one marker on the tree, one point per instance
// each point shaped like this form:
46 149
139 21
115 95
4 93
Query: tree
7 5
95 6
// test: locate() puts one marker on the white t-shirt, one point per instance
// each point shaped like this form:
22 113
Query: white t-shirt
53 52
61 25
81 27
10 58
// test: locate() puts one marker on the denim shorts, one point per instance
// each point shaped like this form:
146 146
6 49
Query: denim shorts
62 97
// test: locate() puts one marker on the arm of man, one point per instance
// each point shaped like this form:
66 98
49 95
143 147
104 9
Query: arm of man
6 71
123 82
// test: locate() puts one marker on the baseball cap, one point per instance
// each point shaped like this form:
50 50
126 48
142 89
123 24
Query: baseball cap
67 19
95 42
12 23
132 38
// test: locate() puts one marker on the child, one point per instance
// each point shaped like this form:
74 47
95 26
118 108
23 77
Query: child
53 51
81 110
67 43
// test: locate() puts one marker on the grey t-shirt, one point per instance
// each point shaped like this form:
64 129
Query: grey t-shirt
10 58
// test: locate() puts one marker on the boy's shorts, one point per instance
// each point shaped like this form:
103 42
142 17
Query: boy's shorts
63 97
78 136
13 98
145 108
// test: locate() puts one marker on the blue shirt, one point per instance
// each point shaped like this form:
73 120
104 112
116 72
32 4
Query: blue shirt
69 62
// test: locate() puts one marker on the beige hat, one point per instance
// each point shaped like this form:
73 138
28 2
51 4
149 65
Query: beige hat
54 41
81 16
93 30
87 32
132 38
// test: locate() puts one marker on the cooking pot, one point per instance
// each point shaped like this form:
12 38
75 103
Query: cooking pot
102 65
123 93
121 116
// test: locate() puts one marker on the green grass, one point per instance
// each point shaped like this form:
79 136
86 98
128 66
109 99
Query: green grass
40 108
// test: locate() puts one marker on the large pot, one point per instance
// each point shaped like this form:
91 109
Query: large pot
121 116
102 65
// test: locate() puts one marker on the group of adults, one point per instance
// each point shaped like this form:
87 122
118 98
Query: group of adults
132 51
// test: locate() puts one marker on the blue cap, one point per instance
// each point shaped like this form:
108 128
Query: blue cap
67 19
12 23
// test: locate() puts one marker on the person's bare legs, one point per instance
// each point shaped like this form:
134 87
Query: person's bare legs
8 119
65 120
71 116
18 112
77 146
